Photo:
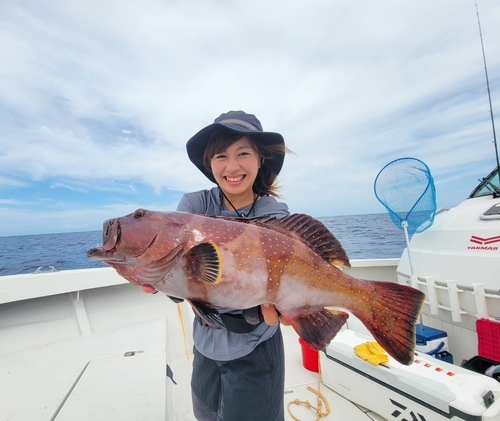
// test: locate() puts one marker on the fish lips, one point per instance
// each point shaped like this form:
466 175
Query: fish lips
111 235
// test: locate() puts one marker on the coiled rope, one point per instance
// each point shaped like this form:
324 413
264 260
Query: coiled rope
320 400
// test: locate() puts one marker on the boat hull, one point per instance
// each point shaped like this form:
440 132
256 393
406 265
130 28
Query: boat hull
456 263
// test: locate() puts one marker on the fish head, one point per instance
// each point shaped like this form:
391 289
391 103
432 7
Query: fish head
139 239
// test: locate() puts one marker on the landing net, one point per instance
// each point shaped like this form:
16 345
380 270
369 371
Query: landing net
406 188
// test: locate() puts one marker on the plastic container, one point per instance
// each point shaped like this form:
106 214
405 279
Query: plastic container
309 357
480 365
433 342
427 333
444 356
425 390
488 339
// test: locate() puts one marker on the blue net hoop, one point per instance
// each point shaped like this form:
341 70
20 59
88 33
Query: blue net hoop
406 189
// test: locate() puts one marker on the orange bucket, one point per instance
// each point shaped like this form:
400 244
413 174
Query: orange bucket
309 357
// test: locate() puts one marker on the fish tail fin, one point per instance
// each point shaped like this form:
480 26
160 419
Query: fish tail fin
394 312
319 328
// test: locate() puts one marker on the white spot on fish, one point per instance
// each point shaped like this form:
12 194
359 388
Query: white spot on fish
198 236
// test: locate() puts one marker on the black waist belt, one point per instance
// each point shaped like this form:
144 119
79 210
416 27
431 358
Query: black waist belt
237 323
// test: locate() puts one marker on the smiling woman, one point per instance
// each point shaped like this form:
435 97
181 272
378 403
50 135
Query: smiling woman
234 169
234 369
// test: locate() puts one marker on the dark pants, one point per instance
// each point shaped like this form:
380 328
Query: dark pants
250 388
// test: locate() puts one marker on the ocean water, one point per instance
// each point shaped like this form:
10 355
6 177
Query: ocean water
362 236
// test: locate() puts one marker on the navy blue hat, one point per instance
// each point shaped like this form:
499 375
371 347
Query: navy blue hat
238 122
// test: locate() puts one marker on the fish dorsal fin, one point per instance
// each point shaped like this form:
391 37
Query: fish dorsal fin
313 233
205 263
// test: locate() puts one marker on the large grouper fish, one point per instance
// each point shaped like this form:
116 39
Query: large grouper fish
291 263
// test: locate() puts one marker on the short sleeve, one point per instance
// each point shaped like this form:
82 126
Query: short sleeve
185 205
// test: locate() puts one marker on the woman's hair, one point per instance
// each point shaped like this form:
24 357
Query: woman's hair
266 177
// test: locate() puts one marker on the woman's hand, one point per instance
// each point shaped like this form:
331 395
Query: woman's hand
271 316
148 289
269 313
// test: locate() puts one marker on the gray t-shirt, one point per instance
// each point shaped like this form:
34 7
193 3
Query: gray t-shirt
217 344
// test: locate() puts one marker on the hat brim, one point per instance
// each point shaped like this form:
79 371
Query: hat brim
197 144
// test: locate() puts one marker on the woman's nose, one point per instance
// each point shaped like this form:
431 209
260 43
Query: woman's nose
232 164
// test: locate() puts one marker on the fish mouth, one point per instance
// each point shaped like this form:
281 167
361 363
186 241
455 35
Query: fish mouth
111 238
111 235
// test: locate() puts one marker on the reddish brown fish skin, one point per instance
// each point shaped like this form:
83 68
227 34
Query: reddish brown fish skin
260 264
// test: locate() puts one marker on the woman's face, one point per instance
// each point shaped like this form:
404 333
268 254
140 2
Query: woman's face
235 169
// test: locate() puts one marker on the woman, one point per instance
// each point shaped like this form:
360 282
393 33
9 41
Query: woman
238 373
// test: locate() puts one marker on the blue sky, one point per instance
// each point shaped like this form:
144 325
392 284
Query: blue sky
98 99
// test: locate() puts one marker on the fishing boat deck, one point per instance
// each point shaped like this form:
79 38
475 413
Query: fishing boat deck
101 354
296 383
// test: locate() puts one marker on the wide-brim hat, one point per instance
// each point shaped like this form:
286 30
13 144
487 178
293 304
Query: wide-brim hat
238 122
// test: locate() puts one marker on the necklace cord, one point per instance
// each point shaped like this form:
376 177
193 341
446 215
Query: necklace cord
241 215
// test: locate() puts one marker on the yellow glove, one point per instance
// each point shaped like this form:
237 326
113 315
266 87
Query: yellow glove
371 352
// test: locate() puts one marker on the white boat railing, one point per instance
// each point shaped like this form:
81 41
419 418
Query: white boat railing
459 300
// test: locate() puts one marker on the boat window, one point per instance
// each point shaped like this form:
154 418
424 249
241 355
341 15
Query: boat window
488 185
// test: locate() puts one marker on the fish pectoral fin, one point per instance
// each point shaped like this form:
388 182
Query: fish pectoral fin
318 329
204 262
208 314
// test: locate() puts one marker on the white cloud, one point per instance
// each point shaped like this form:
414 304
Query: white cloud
24 221
101 95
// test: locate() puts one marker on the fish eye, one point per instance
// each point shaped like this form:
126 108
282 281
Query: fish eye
139 213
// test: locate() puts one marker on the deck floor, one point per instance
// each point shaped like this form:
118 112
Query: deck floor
118 372
297 379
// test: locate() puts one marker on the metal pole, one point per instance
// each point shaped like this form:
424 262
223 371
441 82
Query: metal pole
488 88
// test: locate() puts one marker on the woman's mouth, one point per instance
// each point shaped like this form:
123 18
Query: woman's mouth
234 179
